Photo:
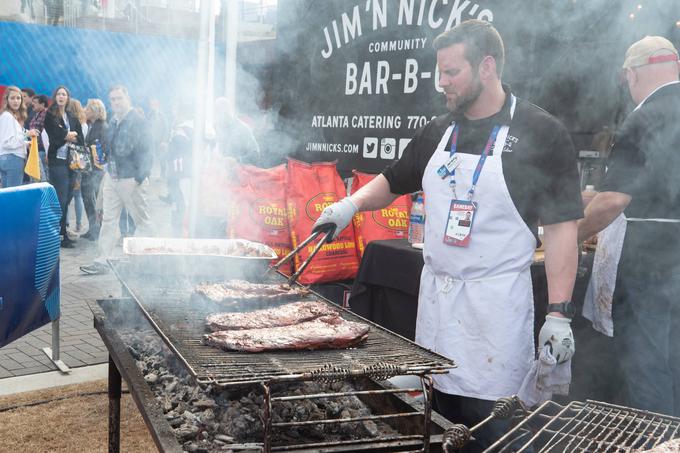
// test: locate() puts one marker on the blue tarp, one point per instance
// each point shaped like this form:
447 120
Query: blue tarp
29 259
88 62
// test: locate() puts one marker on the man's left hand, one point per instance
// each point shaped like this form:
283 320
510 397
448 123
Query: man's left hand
556 334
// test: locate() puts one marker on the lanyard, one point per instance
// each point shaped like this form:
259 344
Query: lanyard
480 163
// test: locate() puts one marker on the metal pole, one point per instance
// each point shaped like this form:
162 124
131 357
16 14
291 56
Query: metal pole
210 88
55 340
231 43
199 114
110 8
53 352
114 407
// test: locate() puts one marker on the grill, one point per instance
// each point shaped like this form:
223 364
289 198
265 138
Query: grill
180 321
408 416
589 426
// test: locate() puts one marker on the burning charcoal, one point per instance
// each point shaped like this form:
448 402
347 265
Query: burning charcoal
301 413
333 409
204 404
133 352
225 439
210 419
371 428
187 432
208 415
181 407
338 387
176 422
169 388
167 404
151 378
194 394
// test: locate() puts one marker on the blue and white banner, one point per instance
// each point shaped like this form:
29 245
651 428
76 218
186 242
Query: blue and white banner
29 259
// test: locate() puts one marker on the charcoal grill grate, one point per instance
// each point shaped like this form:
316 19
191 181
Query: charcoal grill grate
181 323
588 427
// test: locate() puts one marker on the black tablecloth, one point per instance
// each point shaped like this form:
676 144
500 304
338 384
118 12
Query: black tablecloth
386 287
386 292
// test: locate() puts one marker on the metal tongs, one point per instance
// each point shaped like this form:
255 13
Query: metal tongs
293 278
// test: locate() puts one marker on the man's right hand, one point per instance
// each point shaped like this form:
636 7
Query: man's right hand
335 218
71 136
556 334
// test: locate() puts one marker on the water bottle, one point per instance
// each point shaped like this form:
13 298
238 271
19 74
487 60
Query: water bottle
100 152
416 226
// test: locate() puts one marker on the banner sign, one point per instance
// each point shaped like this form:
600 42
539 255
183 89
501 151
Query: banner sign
29 259
362 75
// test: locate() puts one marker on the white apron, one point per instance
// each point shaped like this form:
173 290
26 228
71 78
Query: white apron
476 303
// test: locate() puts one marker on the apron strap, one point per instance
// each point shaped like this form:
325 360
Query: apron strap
637 219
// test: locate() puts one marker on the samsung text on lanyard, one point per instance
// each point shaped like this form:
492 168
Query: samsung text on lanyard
461 217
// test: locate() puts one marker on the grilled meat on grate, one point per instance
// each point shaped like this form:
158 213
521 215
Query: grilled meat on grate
326 332
672 446
285 315
240 291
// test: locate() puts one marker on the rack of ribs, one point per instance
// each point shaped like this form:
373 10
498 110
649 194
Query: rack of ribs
284 315
325 332
235 291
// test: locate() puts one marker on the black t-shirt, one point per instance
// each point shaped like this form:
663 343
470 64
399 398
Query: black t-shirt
645 163
645 159
539 160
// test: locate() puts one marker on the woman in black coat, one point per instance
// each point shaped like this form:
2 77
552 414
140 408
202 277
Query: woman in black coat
91 182
62 128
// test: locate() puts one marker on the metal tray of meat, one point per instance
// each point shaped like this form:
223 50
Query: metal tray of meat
210 258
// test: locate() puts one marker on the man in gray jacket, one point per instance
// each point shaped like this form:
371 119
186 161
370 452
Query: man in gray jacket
126 180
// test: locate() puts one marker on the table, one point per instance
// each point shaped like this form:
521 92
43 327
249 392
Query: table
385 291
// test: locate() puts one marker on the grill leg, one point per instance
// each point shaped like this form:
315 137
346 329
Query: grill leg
426 382
114 407
267 419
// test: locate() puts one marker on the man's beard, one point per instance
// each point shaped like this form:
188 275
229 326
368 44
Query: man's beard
463 102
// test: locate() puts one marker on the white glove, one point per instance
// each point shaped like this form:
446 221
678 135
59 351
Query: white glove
336 217
556 334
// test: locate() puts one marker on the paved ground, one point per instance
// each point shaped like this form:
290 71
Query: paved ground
80 342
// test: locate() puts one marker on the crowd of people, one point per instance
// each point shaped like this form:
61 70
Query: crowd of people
102 161
497 161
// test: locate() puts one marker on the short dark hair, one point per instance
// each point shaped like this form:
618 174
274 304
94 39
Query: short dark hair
480 39
29 92
42 99
122 88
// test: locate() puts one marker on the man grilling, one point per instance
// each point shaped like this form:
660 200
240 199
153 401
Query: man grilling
642 183
509 164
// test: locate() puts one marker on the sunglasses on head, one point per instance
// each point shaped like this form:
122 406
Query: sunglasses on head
650 60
